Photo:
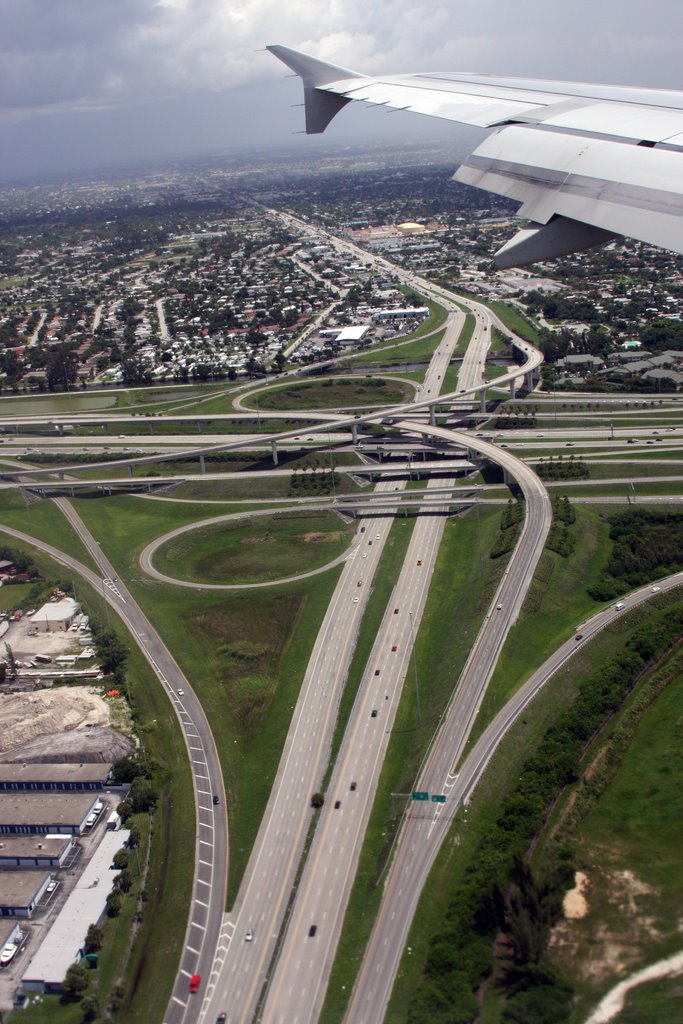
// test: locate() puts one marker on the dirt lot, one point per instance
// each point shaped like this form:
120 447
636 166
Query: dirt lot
63 723
25 647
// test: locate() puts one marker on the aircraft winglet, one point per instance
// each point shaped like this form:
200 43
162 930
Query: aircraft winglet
320 106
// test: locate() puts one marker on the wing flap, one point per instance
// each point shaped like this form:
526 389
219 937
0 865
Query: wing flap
587 162
620 188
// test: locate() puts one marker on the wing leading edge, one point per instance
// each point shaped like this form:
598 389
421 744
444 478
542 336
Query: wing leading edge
588 163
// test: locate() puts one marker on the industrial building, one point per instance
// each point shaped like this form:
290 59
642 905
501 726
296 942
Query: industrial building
400 314
30 851
86 905
56 616
64 777
21 891
43 813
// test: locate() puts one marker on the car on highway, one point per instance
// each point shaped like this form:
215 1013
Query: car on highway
312 930
360 583
373 713
215 799
355 600
419 561
249 935
221 1018
376 536
394 647
195 982
51 886
579 636
181 693
655 590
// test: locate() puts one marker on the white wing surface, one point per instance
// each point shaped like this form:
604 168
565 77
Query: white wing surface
587 162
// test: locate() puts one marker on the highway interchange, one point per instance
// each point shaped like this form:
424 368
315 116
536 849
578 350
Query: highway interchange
282 971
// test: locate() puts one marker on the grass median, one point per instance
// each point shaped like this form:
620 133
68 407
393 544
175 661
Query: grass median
333 393
265 548
245 653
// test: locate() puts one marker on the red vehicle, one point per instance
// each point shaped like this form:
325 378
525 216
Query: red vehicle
194 982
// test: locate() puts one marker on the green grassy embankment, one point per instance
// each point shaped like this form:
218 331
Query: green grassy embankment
628 846
334 393
465 844
245 654
256 550
42 521
400 353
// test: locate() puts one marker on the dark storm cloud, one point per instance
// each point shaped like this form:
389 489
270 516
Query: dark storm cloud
120 78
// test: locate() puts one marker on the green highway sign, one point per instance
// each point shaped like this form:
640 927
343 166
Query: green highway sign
438 798
419 794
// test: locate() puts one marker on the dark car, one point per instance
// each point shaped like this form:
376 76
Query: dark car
312 930
221 1018
215 799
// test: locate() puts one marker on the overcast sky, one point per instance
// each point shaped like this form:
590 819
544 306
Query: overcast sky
88 83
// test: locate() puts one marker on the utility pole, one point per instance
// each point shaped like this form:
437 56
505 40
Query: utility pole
334 492
417 682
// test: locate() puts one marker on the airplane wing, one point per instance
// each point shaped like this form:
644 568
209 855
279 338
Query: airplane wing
587 162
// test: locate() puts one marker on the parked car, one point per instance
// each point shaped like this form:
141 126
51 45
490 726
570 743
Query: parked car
8 954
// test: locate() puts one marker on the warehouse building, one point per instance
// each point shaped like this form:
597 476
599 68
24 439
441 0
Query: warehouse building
21 891
65 777
86 905
43 813
48 852
56 616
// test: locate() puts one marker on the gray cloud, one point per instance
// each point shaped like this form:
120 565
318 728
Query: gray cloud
103 63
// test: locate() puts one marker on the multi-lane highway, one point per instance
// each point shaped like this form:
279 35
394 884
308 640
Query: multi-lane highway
310 736
242 966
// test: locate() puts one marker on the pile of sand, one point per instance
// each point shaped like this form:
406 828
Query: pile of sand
60 724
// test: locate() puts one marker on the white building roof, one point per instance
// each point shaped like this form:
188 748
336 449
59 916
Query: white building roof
85 906
348 334
56 611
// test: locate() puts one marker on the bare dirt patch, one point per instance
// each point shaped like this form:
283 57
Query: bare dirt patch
575 904
318 538
614 948
59 724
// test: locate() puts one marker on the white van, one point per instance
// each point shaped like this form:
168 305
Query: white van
619 605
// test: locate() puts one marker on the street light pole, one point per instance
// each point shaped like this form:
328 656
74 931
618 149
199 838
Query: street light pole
334 492
481 557
417 682
104 597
